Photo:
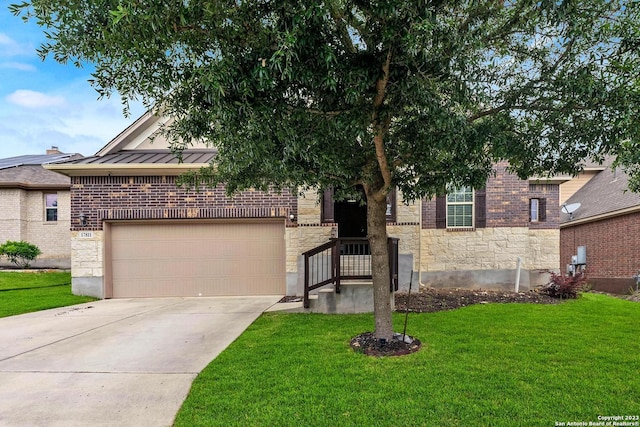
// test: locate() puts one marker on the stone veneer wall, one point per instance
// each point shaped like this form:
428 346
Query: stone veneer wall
487 258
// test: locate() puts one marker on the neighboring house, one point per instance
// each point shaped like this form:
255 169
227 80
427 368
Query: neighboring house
134 233
34 207
607 224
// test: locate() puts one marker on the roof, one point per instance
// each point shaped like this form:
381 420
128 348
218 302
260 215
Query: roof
135 162
35 159
141 157
32 177
605 195
26 172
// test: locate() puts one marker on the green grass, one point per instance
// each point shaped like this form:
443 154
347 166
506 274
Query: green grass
28 292
484 365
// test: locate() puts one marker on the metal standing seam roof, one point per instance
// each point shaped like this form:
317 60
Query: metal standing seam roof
146 157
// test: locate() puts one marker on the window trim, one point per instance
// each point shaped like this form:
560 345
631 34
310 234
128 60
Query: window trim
534 209
541 212
47 208
471 203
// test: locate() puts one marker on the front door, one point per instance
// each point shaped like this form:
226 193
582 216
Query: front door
351 218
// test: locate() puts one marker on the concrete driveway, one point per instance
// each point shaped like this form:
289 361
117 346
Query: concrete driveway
114 362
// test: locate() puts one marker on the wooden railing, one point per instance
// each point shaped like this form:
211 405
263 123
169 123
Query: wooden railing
344 259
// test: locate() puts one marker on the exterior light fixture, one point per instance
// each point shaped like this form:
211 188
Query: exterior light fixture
292 217
83 219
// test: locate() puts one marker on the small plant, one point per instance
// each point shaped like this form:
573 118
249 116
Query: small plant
20 253
637 277
562 286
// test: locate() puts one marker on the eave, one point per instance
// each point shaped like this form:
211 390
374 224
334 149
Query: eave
128 169
600 217
34 187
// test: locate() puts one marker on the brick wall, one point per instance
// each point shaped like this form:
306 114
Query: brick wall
12 220
507 202
22 218
613 248
158 197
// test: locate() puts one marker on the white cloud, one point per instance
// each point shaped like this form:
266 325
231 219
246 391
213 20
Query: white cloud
10 47
20 66
82 125
32 99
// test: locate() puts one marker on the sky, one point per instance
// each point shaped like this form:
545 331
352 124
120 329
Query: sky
45 104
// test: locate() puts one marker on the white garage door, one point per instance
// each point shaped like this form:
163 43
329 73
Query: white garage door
197 259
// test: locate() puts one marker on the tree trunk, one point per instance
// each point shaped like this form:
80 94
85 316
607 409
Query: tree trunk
377 230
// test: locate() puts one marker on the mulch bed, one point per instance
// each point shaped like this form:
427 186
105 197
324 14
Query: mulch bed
430 300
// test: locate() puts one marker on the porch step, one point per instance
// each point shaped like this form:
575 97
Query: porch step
354 297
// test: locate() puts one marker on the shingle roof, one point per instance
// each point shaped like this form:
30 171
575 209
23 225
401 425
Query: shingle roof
159 157
32 176
605 193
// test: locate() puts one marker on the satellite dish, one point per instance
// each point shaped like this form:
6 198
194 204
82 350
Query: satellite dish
569 209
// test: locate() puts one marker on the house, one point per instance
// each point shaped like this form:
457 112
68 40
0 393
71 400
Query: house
34 206
606 222
135 233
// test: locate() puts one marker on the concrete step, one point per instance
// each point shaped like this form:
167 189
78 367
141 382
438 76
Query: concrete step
354 297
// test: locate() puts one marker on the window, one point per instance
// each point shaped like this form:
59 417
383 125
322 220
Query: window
537 210
51 207
534 205
460 208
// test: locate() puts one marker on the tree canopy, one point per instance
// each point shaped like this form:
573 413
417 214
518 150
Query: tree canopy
416 95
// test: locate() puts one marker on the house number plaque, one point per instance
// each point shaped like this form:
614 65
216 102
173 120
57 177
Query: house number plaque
86 234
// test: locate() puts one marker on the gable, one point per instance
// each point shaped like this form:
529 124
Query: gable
143 134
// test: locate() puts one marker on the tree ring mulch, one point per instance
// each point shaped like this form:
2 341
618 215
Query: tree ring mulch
367 343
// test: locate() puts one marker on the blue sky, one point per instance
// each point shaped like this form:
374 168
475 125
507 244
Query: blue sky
44 104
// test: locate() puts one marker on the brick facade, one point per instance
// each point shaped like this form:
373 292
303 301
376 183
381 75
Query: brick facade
613 251
22 217
157 197
507 202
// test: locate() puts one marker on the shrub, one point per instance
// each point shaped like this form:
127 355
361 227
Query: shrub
561 286
20 253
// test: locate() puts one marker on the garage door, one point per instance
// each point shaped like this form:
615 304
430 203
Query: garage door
204 259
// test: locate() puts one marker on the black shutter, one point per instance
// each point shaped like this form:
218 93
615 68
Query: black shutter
327 206
391 200
542 210
441 212
481 208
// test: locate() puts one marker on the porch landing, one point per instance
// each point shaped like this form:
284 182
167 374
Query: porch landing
354 297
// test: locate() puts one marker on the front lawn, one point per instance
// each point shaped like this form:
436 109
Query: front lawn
483 365
27 292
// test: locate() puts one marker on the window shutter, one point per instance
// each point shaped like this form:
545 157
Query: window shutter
481 208
441 212
391 200
327 206
542 210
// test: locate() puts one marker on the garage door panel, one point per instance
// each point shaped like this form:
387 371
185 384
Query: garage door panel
207 259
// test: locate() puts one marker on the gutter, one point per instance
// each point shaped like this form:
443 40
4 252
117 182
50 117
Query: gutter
600 217
127 169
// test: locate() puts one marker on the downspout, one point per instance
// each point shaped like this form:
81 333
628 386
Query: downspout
420 284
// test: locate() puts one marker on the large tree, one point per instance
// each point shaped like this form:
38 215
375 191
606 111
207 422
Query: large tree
415 95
